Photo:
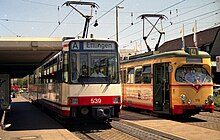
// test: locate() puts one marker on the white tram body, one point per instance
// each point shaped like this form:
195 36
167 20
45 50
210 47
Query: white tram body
66 84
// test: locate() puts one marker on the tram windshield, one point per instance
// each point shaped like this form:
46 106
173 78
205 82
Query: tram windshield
193 75
93 67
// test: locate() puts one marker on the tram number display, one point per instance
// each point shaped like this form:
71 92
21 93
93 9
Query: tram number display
96 100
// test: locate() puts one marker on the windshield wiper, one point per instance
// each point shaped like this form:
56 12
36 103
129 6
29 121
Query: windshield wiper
109 81
78 73
186 80
204 79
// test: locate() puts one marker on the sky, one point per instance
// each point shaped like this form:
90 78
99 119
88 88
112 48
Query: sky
48 18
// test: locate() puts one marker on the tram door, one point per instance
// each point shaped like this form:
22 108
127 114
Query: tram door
161 95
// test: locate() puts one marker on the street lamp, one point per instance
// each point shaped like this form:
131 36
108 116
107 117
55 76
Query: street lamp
117 7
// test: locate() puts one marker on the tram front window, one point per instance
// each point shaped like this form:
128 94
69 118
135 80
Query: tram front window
193 75
95 68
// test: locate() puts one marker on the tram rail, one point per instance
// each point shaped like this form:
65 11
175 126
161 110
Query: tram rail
123 130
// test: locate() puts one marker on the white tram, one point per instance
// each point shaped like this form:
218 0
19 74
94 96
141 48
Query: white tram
80 82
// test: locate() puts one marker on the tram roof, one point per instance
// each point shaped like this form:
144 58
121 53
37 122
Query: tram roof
19 56
177 53
87 39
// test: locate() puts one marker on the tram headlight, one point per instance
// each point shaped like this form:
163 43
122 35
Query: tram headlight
210 99
183 98
116 100
189 102
73 100
206 101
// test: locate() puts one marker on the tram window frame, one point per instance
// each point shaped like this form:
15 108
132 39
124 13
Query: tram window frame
73 67
131 75
146 75
59 75
65 67
38 77
138 75
123 76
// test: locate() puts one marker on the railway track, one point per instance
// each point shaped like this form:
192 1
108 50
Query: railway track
101 132
120 130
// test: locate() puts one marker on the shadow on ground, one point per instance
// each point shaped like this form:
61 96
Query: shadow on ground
25 116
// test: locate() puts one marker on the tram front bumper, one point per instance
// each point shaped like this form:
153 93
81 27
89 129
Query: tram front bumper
96 112
192 109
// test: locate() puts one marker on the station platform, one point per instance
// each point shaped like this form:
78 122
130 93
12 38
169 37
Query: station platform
176 130
29 123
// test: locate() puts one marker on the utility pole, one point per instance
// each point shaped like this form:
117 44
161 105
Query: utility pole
117 7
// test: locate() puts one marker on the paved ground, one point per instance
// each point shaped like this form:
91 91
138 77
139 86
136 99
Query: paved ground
29 123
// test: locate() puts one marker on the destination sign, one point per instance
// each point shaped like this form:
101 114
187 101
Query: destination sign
99 46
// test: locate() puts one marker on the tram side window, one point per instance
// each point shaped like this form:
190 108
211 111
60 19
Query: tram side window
138 75
53 73
146 74
59 75
131 76
31 79
65 67
38 77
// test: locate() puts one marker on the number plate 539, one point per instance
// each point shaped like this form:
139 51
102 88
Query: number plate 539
96 100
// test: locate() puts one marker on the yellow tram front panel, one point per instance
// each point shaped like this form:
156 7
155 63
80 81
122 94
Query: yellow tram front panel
196 95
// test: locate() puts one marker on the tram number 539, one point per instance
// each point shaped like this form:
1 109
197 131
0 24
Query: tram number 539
96 100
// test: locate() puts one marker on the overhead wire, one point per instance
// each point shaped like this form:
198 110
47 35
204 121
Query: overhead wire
9 30
41 3
207 4
59 23
31 21
208 16
156 12
126 28
103 15
35 21
175 17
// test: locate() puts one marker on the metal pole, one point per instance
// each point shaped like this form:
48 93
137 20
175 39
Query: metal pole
117 7
116 23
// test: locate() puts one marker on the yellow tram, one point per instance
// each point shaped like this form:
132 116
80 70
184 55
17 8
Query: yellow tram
177 82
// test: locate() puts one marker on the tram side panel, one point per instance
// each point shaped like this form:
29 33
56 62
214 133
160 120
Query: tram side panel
137 88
